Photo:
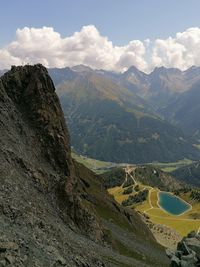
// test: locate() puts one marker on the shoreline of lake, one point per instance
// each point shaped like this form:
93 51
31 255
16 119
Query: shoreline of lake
172 204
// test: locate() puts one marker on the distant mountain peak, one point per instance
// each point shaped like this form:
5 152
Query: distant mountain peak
82 68
163 69
134 69
194 67
194 70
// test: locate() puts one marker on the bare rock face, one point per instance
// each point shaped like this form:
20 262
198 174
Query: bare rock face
32 93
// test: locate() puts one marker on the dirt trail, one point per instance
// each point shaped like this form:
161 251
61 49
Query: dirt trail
128 170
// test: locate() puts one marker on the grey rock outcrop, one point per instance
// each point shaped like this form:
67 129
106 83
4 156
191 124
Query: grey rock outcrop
39 194
187 253
32 93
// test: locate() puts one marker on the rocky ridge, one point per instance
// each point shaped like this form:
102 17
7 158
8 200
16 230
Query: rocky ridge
53 211
44 115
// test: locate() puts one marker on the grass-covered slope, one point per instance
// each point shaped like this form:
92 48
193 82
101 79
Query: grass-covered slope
184 111
189 174
143 195
147 175
124 231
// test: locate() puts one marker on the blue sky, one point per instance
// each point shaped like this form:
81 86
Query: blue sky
107 34
121 21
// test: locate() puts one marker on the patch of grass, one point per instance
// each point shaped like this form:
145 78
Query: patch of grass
171 166
93 164
169 169
197 146
143 207
117 192
99 166
154 198
183 227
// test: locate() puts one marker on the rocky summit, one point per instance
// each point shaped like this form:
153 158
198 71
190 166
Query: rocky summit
54 211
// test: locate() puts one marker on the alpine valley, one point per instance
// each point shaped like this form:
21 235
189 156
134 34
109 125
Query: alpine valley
92 196
131 117
100 133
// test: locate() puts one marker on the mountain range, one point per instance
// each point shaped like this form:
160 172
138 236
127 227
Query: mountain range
173 93
132 116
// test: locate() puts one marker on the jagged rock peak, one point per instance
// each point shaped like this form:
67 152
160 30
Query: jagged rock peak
33 92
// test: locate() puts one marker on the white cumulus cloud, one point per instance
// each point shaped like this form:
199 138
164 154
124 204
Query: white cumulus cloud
181 51
89 47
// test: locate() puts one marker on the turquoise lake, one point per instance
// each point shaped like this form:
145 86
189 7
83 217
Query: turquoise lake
172 204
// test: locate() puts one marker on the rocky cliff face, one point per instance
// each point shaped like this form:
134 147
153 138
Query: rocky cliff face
51 209
33 95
